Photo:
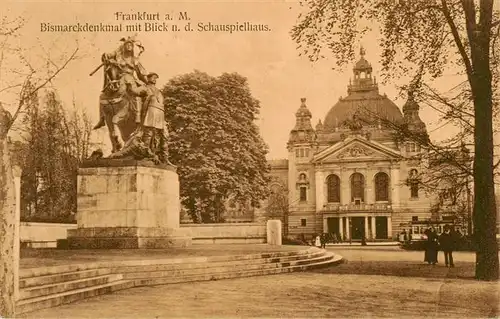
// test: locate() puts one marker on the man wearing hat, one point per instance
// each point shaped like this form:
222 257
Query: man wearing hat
155 132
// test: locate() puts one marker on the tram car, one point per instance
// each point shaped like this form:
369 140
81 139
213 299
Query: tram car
416 238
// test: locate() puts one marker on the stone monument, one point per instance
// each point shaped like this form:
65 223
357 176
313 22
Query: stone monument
131 198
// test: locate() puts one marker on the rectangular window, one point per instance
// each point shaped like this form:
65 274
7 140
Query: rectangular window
301 152
303 222
303 194
307 152
414 218
297 153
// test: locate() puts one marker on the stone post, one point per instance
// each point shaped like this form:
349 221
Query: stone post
274 232
16 170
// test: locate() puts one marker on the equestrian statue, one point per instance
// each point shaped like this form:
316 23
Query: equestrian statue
131 106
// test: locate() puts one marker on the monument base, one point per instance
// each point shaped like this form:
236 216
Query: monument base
124 204
128 238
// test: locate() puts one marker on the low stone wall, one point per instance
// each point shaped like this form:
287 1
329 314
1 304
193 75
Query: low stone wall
237 233
43 235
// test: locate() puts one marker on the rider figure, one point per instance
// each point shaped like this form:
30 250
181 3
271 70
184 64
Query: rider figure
128 63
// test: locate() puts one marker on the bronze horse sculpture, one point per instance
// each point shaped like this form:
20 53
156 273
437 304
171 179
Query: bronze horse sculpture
119 106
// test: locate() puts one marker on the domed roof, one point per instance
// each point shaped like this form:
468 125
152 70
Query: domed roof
363 100
366 105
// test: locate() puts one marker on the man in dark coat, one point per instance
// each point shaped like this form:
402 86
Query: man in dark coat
447 243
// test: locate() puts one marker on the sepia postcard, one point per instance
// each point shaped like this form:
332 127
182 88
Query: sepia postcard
237 159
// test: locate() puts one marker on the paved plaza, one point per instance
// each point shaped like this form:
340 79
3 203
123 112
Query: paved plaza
407 288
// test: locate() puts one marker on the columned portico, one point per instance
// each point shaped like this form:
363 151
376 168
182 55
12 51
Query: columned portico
353 225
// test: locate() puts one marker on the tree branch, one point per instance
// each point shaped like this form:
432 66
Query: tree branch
456 37
24 96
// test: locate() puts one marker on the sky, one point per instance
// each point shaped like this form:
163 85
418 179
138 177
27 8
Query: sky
278 77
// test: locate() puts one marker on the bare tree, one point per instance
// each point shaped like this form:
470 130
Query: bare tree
20 77
428 36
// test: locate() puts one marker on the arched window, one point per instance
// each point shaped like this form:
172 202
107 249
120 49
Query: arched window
357 187
303 194
381 187
302 177
333 189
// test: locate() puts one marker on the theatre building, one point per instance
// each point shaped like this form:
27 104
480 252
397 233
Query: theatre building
348 174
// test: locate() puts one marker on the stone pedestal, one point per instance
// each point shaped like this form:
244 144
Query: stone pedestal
274 232
127 204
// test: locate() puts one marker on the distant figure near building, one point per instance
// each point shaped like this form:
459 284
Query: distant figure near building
447 243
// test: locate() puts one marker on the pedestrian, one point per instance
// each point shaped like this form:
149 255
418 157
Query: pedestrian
447 243
324 239
317 241
431 247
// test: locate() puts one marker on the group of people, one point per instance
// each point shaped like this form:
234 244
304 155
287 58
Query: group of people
445 242
324 238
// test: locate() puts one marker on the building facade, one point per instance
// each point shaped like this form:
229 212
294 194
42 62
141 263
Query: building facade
350 175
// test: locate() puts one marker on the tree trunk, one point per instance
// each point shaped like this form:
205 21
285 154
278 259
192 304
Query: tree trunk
7 222
484 188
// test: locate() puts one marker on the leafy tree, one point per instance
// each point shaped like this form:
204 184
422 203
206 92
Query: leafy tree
215 143
427 36
56 142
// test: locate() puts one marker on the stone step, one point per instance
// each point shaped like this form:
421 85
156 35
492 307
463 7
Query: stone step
55 288
63 277
236 274
140 273
32 304
203 265
57 270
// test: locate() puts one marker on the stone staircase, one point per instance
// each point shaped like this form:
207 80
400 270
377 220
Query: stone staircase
52 286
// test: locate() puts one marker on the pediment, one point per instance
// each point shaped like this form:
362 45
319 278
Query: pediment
356 150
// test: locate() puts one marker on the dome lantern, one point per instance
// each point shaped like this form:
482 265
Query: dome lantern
303 131
362 80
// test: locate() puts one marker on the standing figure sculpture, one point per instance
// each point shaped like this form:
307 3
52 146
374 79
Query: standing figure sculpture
150 139
155 133
119 105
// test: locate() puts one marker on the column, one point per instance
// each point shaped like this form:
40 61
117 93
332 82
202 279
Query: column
395 185
325 224
367 231
374 230
347 228
319 178
341 229
345 187
389 227
16 170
